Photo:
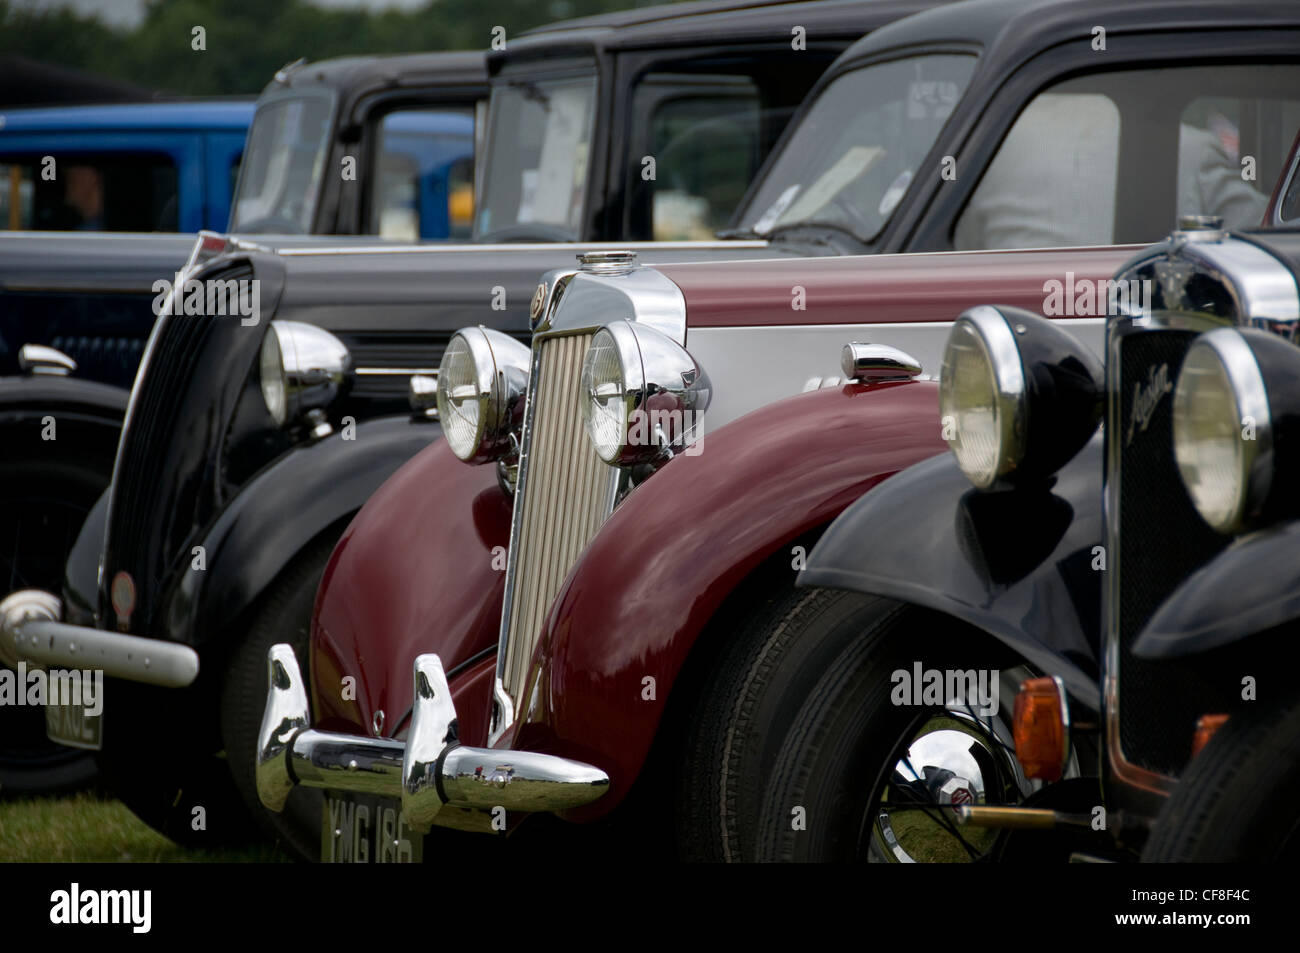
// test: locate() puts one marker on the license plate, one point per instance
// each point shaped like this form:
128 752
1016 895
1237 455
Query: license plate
359 829
71 725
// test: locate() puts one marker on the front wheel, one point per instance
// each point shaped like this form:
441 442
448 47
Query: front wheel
1236 802
45 494
909 722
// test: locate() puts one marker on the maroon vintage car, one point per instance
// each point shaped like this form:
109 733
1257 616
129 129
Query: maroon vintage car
570 621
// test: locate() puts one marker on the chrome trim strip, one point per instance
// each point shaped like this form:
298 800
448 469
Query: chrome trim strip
395 371
377 248
1287 181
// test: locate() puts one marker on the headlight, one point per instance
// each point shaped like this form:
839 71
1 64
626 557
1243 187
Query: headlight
1225 430
482 382
1018 396
642 394
303 367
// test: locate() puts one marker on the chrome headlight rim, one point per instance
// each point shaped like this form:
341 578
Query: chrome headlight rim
1008 386
312 368
653 369
1240 370
498 389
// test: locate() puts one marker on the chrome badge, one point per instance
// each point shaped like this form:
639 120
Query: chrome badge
1146 398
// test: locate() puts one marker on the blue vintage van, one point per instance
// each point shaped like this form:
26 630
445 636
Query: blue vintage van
138 167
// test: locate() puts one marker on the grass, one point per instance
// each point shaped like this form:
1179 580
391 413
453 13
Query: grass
88 829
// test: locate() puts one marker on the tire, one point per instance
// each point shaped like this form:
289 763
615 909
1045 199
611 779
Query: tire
755 688
167 793
44 499
841 755
1236 800
283 614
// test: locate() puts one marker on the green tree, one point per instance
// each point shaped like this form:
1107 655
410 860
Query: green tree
248 40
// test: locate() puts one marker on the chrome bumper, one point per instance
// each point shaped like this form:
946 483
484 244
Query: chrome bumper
30 630
437 779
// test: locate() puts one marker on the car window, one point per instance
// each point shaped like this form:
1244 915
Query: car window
537 183
89 192
422 188
1113 158
703 151
283 166
859 146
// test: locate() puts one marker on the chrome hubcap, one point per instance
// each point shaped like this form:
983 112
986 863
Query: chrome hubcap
953 758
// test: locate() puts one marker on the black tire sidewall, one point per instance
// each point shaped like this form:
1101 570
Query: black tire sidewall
1235 802
848 733
282 614
53 470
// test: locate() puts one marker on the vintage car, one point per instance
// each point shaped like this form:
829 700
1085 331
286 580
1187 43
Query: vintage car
1218 647
709 78
137 167
1131 589
78 306
365 145
622 633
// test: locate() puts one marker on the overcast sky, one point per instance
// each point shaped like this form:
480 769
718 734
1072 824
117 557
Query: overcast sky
129 13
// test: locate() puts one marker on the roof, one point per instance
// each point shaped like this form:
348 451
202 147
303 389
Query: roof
1018 29
737 21
404 69
234 115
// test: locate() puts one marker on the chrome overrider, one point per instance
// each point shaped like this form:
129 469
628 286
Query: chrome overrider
31 630
436 778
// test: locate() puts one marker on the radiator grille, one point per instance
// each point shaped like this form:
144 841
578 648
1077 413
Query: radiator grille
565 493
138 517
1162 541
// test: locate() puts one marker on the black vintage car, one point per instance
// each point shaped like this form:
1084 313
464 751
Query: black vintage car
1206 672
1131 589
223 511
78 307
364 145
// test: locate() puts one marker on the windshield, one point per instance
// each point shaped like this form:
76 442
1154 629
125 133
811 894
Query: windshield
283 166
860 145
534 186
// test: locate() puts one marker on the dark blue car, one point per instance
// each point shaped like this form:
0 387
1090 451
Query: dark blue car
148 167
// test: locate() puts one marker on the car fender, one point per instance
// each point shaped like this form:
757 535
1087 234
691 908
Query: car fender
1023 565
660 569
84 403
279 512
1251 586
421 568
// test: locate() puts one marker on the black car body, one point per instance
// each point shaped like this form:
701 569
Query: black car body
1164 617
